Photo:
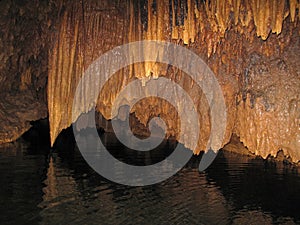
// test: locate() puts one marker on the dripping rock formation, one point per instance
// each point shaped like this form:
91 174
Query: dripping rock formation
252 46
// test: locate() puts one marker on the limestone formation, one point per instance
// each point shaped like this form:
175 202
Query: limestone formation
251 45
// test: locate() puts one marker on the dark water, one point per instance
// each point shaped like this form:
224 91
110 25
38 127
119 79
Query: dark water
39 186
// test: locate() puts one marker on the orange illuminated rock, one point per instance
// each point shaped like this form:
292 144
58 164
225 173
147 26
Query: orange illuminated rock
252 47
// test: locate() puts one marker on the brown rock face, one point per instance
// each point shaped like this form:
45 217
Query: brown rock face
251 46
24 32
268 111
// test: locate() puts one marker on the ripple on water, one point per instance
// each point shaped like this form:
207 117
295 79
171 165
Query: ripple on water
60 188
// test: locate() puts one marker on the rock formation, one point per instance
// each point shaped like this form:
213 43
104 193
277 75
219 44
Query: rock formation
252 46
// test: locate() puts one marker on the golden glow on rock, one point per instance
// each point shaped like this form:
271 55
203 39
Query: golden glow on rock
217 30
267 16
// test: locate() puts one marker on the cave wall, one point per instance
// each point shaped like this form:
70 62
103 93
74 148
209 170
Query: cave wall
24 42
268 116
252 46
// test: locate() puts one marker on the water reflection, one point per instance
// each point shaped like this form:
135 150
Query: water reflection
82 197
254 184
21 176
43 187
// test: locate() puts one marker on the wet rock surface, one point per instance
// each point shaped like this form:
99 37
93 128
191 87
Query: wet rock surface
47 45
24 42
268 116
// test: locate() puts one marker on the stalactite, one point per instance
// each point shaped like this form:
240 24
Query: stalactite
208 28
279 17
78 43
293 7
267 16
236 10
